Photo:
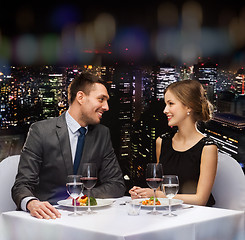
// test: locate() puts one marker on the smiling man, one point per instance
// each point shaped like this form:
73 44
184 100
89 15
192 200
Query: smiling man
49 153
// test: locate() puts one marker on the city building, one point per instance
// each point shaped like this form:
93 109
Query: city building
225 101
225 81
164 76
206 74
228 131
51 89
124 109
239 81
20 102
8 104
146 130
186 72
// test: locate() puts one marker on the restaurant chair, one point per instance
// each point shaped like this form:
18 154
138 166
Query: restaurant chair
8 171
229 185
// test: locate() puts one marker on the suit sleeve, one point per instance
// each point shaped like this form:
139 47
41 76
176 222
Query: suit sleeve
28 171
111 183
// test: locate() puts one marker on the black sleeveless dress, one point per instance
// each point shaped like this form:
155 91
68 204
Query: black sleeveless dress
186 164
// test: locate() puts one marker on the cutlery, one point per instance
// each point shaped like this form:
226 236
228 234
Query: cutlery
124 203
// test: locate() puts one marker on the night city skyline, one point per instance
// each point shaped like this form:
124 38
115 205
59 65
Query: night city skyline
136 118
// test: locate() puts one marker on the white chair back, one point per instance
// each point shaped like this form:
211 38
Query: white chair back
8 171
229 185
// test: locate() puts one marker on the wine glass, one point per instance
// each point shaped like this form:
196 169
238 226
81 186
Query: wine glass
154 179
89 179
74 187
170 187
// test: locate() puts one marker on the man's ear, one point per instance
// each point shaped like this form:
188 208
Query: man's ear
80 96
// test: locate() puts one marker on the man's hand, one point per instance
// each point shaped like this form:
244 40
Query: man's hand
42 210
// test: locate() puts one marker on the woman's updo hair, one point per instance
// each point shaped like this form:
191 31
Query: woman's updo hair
192 94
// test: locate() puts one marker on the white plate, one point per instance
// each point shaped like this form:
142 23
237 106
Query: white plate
100 203
164 202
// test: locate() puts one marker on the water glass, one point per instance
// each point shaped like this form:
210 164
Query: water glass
134 207
171 187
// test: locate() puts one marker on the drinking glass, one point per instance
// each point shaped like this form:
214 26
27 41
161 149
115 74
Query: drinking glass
134 207
170 187
89 179
154 180
74 187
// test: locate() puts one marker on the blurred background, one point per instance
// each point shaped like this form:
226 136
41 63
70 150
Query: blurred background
176 31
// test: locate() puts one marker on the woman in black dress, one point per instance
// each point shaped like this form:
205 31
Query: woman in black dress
187 153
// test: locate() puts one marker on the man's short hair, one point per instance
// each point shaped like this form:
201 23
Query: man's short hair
82 82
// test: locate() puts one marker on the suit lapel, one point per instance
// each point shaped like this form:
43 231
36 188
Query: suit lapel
65 148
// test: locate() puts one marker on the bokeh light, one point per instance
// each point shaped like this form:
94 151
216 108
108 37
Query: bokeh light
49 48
131 43
104 29
26 49
191 15
191 31
5 48
74 33
68 49
236 30
85 42
167 44
215 42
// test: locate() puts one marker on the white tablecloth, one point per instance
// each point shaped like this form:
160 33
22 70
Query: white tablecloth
113 222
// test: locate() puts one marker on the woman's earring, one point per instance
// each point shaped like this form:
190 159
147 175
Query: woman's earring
188 113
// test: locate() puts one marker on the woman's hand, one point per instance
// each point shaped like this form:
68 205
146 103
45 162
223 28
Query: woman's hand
138 192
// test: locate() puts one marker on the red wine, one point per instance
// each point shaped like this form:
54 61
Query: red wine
154 182
89 182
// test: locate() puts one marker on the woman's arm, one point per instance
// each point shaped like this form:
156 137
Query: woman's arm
208 169
158 148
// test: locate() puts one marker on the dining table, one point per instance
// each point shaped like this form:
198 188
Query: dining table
112 222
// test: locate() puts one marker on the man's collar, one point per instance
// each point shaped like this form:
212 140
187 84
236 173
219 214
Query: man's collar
72 123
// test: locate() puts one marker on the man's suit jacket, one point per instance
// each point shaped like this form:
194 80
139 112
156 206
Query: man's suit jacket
46 161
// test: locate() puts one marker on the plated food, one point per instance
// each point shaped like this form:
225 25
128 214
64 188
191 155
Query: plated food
160 202
100 203
83 201
150 202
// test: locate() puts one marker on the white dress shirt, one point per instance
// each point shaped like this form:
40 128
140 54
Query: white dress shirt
73 132
72 126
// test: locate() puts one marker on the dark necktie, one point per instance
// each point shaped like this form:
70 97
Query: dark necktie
79 149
